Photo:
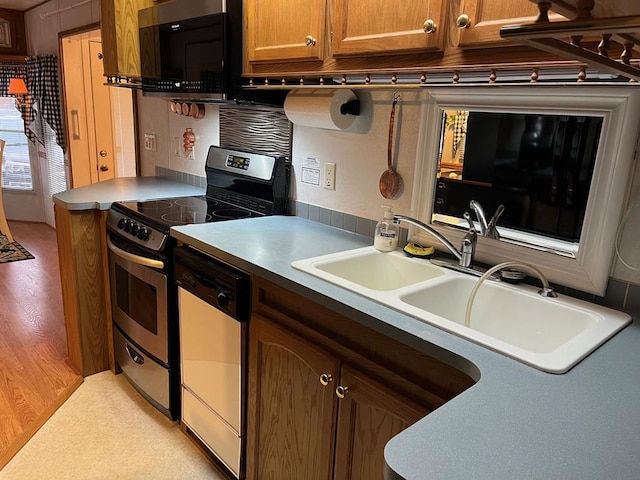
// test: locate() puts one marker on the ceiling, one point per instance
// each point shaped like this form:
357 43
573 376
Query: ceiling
20 4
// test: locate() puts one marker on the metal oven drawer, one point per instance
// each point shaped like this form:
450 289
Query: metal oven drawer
150 378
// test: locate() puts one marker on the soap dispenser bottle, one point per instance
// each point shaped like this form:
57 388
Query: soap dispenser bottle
386 235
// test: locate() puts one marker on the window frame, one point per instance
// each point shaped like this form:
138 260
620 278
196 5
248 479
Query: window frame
9 189
619 106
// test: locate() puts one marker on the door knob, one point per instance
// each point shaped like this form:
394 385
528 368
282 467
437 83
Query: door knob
463 21
429 26
104 168
326 378
103 153
341 391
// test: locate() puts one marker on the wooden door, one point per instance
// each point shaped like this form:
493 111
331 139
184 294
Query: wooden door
105 168
377 27
368 416
291 417
285 30
479 21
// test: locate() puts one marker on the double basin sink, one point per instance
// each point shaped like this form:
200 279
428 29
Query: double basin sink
550 334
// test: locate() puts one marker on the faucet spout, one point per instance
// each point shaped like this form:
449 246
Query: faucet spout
454 251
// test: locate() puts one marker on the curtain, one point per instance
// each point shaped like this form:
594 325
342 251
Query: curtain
44 95
40 74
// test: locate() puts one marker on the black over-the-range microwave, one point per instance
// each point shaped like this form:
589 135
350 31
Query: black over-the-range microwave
193 49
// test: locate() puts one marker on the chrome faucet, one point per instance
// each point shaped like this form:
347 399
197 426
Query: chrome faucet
487 229
467 250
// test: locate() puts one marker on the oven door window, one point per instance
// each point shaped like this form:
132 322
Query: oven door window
137 299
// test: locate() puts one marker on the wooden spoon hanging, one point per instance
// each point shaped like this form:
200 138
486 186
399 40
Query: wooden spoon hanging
390 181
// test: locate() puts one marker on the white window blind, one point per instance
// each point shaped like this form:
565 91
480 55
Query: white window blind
16 168
55 162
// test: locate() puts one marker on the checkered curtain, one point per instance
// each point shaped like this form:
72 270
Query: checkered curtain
9 71
43 99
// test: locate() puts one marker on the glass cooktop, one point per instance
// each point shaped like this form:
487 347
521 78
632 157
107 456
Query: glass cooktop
187 210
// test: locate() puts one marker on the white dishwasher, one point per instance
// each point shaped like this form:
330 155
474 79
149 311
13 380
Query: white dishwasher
213 306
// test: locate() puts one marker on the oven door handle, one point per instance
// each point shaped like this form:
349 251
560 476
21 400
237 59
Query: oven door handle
144 261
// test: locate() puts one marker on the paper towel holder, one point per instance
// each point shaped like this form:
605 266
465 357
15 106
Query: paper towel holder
352 107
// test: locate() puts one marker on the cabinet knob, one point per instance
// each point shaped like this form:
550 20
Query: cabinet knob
463 21
309 41
341 391
429 26
103 153
104 168
326 378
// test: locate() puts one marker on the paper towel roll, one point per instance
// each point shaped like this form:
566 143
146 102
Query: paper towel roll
319 108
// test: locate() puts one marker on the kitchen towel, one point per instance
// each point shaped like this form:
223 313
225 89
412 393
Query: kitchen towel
319 108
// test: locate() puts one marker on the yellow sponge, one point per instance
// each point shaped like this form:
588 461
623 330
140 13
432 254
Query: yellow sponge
417 250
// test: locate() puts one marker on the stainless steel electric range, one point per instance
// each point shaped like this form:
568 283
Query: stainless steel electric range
144 295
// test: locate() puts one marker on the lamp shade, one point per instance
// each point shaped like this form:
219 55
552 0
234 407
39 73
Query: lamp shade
17 87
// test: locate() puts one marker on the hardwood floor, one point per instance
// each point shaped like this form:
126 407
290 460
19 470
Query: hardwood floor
35 378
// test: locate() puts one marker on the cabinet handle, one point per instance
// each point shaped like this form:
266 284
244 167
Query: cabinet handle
463 21
309 41
341 391
429 26
325 379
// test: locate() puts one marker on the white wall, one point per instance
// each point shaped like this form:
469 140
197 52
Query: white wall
360 155
155 117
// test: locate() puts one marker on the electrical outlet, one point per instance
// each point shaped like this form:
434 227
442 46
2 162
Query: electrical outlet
177 146
330 176
190 154
150 142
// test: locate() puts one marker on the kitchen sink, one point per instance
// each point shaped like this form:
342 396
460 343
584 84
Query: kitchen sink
550 334
368 269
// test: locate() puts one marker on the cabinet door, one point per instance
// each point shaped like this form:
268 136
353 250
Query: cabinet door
291 415
381 27
119 26
285 29
480 20
368 416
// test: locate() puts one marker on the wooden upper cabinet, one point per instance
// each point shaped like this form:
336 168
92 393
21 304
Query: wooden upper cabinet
121 45
362 27
479 21
285 30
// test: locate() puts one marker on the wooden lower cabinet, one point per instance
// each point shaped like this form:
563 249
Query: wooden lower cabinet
326 393
84 278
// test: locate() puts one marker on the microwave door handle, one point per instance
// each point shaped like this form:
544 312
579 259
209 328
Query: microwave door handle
144 261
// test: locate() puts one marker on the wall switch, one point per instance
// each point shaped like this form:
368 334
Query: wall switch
177 146
150 142
330 176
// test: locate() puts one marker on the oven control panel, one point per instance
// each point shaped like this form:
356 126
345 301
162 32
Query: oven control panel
136 232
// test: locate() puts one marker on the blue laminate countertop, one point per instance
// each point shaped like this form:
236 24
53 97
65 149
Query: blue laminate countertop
101 195
515 423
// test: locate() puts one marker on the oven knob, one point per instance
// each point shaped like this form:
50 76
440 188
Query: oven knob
223 299
127 225
135 228
122 222
144 233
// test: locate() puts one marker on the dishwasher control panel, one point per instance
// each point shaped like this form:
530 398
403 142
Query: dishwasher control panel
219 284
